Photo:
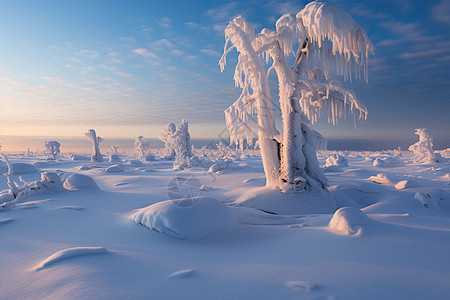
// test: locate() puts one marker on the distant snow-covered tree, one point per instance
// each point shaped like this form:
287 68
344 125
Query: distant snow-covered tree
178 140
166 132
114 154
92 136
329 42
142 149
52 148
423 150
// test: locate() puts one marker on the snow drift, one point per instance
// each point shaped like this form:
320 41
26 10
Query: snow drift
203 216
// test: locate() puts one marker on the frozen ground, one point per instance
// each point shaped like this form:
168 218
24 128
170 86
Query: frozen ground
82 243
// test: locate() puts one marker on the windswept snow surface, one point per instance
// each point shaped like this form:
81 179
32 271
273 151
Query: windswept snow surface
401 252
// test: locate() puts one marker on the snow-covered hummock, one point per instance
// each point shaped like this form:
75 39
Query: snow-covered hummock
199 217
52 148
388 162
381 178
115 169
218 166
336 160
348 220
76 157
423 150
405 184
95 140
80 181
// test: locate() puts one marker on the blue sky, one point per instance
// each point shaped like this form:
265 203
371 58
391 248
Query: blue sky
126 68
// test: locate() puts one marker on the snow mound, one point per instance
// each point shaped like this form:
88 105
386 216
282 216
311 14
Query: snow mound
332 169
80 157
218 167
381 178
115 169
348 220
203 216
68 253
336 160
79 181
183 273
388 162
23 168
405 184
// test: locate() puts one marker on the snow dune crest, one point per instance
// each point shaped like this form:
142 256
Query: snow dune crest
68 253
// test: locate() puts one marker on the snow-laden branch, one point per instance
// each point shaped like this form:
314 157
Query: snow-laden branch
326 24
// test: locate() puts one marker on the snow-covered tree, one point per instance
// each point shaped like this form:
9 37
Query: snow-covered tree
166 132
114 155
13 187
52 148
92 136
423 150
142 149
179 140
329 42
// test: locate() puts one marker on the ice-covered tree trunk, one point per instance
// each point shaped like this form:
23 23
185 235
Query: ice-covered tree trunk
240 33
92 136
299 168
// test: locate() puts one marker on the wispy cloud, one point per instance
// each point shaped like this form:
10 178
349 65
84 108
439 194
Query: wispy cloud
128 39
88 53
163 43
210 52
441 12
225 12
176 52
431 53
282 7
54 80
361 10
145 53
164 22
